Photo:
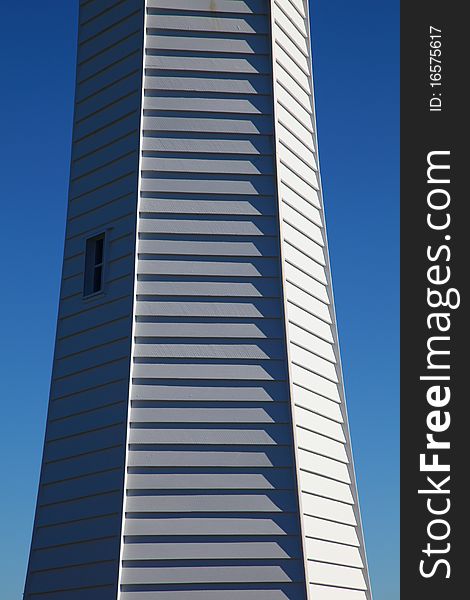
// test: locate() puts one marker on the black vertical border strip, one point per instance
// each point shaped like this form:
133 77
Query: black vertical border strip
424 131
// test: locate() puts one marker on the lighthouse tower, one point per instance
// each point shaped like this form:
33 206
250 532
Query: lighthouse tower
197 443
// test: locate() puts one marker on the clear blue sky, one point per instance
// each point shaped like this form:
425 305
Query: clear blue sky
356 76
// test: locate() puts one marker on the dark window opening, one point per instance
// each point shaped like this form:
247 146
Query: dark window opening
94 262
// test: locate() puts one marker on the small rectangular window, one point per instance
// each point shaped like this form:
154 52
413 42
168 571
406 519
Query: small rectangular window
94 264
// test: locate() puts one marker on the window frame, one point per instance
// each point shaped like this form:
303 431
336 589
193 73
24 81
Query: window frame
91 265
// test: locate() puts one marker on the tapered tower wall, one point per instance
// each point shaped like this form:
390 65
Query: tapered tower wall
76 539
332 533
197 443
211 505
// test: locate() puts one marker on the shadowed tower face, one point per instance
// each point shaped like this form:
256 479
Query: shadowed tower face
197 445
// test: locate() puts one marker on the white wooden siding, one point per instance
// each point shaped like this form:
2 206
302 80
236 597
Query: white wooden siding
76 537
211 507
335 556
225 412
